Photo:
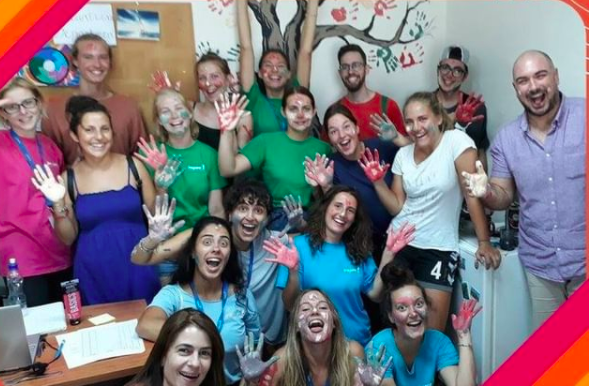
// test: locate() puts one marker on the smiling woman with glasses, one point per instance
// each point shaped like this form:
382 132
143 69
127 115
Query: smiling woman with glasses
26 221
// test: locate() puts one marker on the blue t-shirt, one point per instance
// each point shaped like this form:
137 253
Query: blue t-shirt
436 352
332 271
350 173
241 316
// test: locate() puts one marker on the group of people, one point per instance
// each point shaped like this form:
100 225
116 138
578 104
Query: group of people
243 212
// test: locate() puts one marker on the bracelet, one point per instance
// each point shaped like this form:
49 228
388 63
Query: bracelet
464 345
144 249
60 211
484 241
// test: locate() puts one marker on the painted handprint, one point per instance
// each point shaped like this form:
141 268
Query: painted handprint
466 109
294 212
420 27
373 168
205 47
476 184
382 6
468 310
385 56
372 371
250 362
166 175
399 239
233 54
289 257
161 80
230 111
154 157
160 223
43 179
411 57
218 6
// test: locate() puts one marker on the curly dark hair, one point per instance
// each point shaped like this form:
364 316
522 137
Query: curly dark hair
249 191
357 239
232 273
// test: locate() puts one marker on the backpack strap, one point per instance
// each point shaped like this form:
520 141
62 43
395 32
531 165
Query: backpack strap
71 190
384 101
135 172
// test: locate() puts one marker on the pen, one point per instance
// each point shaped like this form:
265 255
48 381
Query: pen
59 350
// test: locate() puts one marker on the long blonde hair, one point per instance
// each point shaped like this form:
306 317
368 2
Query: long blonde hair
341 368
161 132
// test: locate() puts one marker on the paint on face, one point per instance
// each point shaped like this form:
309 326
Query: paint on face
211 80
340 215
315 318
343 135
173 115
421 123
409 311
212 249
248 219
274 71
188 359
299 112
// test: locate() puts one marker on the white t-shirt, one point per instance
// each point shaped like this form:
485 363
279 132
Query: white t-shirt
263 285
433 197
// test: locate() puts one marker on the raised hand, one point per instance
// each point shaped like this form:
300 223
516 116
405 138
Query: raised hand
154 157
288 257
230 111
160 223
373 168
294 212
401 238
250 362
162 81
166 175
468 310
319 172
465 110
384 127
372 371
476 184
43 179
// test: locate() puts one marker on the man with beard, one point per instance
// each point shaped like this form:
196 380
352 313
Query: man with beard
468 112
542 152
362 101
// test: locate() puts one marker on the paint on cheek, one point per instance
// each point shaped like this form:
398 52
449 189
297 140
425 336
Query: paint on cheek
291 116
184 114
164 119
431 128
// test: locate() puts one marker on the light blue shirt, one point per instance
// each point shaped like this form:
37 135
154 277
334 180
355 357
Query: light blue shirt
436 353
241 316
332 271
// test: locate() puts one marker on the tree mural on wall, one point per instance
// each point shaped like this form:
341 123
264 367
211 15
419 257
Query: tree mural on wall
406 33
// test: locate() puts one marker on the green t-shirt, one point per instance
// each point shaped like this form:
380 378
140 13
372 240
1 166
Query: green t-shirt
191 190
280 159
266 112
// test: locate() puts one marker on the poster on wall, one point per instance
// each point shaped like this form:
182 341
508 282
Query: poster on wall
51 66
92 18
135 24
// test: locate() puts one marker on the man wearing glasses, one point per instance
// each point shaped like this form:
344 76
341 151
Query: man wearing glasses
469 112
362 101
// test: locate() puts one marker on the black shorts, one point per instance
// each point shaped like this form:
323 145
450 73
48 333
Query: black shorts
432 268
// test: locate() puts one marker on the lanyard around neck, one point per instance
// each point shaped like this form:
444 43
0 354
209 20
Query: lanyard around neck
199 306
28 157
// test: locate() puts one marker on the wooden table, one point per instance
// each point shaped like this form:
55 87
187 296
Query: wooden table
95 372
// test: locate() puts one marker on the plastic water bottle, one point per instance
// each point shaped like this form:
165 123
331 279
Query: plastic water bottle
16 291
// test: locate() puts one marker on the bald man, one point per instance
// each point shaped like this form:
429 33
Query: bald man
542 152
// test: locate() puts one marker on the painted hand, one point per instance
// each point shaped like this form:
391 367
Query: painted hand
294 212
160 223
372 371
487 255
230 111
154 157
468 310
166 175
267 378
400 239
250 361
162 81
465 110
384 127
319 172
373 168
43 179
476 184
289 257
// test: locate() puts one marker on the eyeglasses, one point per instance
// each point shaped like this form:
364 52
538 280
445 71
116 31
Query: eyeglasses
14 108
456 71
356 66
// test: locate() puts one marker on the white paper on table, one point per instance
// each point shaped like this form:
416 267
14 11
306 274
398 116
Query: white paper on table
101 342
45 319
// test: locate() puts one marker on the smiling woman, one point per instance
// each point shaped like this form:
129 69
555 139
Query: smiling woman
208 279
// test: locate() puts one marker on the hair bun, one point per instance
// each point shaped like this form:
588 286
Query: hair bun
80 103
395 274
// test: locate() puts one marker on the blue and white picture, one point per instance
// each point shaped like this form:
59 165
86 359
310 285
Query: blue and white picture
135 24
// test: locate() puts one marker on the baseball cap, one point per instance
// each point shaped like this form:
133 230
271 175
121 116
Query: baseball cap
455 52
